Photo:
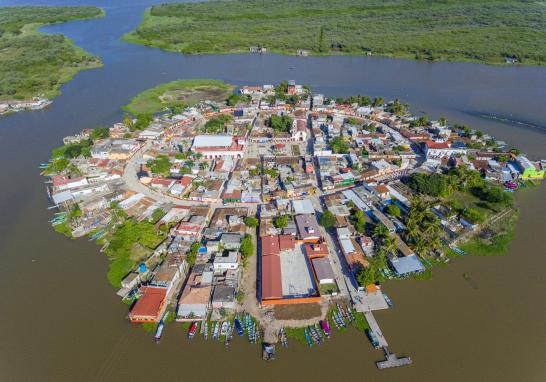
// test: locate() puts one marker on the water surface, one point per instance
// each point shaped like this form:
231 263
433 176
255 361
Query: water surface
63 322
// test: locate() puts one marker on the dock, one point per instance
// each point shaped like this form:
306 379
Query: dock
391 360
374 327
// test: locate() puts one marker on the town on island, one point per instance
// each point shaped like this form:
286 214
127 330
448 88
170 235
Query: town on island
276 213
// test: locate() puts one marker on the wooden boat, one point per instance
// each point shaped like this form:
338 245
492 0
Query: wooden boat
192 330
268 352
229 334
325 328
216 331
239 327
308 337
159 331
373 339
387 300
283 338
224 328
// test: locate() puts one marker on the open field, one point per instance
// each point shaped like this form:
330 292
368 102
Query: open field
178 94
297 311
469 30
34 63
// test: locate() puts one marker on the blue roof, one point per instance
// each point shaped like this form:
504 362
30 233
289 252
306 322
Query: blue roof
458 145
406 265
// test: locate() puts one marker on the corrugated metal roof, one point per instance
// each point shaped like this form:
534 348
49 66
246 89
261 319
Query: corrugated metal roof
271 277
212 141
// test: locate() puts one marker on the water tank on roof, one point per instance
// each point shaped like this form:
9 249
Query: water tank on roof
142 268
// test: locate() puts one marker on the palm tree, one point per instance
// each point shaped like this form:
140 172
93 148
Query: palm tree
389 244
380 231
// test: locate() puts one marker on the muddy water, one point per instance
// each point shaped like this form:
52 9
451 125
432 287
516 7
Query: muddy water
61 321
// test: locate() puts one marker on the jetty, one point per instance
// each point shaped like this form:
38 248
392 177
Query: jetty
391 360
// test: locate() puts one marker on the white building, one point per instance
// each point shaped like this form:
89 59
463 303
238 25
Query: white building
218 146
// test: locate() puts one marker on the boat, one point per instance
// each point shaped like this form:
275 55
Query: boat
268 352
239 327
373 339
216 331
283 338
387 300
325 328
224 329
319 332
308 337
229 334
314 335
206 330
192 330
351 314
159 331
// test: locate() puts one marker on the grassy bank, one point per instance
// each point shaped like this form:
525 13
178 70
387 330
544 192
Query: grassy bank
178 94
468 30
34 63
494 239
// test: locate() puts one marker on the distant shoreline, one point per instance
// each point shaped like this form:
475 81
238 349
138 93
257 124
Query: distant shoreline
401 32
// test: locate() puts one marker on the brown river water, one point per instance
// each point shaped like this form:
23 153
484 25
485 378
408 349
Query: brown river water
61 320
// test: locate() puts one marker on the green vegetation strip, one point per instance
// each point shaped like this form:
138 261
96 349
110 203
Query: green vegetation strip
176 95
495 242
34 63
444 30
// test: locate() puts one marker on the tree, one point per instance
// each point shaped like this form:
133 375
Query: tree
339 145
378 101
191 255
160 165
280 123
327 220
127 121
281 221
247 247
394 210
142 122
157 215
250 221
380 231
100 132
442 121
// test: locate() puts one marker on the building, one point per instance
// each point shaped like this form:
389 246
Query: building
308 228
323 270
223 297
223 263
149 307
434 149
195 299
407 265
528 169
218 146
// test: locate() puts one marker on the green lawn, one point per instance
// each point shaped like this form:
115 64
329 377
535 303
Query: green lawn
34 63
439 30
178 94
502 235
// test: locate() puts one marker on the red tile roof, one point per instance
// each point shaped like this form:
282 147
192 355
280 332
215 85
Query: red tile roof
437 145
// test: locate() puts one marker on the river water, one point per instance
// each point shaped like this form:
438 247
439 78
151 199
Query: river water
63 322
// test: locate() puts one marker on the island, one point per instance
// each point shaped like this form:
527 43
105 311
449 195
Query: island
278 213
34 65
492 32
